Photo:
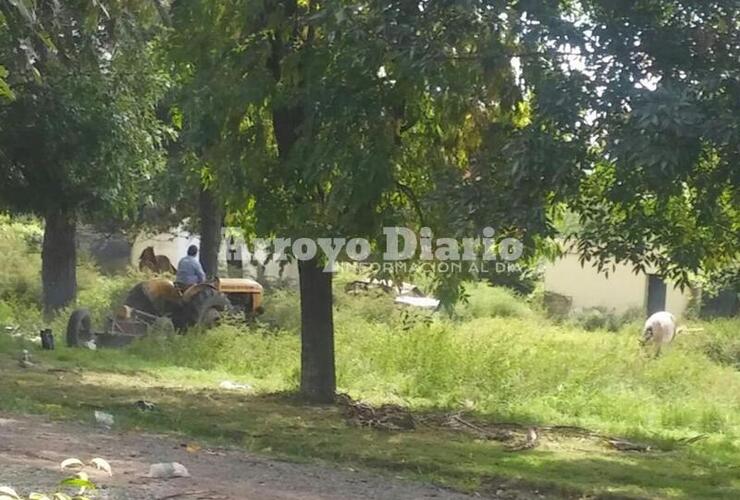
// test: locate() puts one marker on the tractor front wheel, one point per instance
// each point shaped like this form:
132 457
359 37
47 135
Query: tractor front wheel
79 328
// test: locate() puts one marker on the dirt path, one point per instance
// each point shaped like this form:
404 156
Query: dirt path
31 449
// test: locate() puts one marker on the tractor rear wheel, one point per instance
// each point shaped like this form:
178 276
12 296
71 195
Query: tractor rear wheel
79 328
206 307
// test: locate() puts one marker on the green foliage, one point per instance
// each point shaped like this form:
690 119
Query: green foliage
722 279
458 116
664 187
484 301
426 100
495 354
498 358
102 293
439 127
600 318
718 340
20 272
81 133
375 306
281 310
20 286
5 92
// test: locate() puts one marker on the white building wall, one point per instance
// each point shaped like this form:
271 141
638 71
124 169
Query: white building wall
258 265
677 301
620 291
175 245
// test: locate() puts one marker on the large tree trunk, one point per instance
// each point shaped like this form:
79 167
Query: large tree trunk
210 231
59 261
318 381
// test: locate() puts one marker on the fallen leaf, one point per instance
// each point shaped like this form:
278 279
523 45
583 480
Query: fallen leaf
104 419
81 480
38 496
71 462
168 470
101 464
8 492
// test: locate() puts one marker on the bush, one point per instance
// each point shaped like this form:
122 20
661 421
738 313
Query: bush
100 293
23 316
6 313
719 340
282 309
484 301
373 306
600 318
20 280
20 272
282 306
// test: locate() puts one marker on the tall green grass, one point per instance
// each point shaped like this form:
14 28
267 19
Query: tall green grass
484 301
529 370
519 368
20 283
495 356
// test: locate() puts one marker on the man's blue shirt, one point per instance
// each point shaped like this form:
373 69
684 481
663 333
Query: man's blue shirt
189 271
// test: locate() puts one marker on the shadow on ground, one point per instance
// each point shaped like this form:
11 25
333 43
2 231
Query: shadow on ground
279 425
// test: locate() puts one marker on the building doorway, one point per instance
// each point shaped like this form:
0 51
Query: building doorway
656 294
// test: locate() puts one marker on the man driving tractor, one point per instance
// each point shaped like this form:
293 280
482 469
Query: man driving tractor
189 270
190 301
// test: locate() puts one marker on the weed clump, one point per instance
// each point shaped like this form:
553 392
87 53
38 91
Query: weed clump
485 301
601 318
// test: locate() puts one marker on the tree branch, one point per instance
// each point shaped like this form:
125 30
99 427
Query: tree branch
413 199
164 14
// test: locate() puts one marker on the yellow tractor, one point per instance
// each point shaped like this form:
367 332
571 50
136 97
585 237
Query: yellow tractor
160 302
245 295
